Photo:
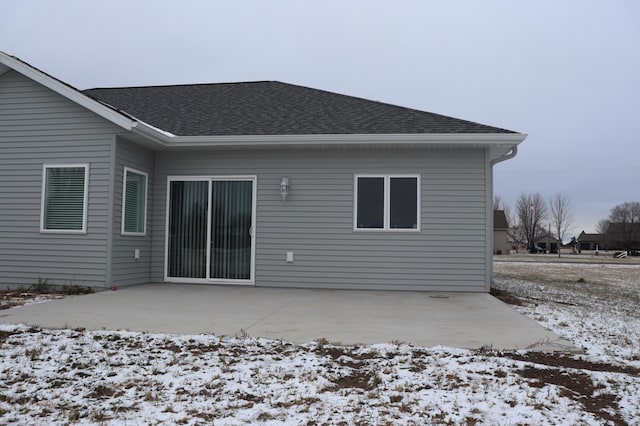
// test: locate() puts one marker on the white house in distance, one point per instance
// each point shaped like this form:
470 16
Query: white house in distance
501 243
258 183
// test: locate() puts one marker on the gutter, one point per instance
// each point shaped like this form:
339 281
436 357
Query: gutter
506 156
168 140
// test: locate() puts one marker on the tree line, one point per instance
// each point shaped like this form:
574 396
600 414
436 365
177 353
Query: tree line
622 225
532 212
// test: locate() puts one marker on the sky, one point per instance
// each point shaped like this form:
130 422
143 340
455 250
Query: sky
566 73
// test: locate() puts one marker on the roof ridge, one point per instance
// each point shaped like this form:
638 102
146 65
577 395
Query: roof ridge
182 85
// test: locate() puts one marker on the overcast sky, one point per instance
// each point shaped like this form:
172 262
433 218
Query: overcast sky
567 73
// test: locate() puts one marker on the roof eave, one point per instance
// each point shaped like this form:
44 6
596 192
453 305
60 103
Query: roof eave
501 141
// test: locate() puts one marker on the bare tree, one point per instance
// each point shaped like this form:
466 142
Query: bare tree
625 223
602 227
531 210
561 215
511 220
498 204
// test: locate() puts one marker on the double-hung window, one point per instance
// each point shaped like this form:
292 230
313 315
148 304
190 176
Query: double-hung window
387 202
64 198
134 202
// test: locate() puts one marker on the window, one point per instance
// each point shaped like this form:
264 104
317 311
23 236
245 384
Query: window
390 202
134 202
64 198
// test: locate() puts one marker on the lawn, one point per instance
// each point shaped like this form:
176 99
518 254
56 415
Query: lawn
118 377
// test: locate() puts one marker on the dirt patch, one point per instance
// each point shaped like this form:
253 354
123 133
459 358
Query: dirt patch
579 387
357 379
564 371
559 360
505 296
5 334
11 298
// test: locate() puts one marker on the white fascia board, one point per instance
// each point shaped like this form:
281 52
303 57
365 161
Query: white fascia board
502 141
67 91
435 139
152 133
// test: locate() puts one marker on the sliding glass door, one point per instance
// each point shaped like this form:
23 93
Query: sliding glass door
210 229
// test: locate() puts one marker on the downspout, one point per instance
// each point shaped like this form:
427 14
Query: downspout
506 156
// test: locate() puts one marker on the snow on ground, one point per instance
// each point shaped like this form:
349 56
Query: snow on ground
118 377
597 307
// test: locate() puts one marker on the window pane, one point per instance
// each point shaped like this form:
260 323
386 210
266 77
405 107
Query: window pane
64 198
370 202
134 201
403 208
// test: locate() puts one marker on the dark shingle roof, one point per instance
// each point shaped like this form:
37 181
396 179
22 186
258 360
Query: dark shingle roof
500 220
272 108
585 238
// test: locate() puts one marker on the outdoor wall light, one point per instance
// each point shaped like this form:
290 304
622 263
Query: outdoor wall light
284 188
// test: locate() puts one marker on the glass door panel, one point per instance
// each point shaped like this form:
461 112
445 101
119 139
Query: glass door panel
187 229
231 222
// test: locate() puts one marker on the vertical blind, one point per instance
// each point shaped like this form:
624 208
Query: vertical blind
134 202
230 226
188 229
64 198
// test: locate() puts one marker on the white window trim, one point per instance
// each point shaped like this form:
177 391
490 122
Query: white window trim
84 204
387 208
210 179
124 195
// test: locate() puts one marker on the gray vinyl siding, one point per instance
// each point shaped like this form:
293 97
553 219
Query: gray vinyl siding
316 220
37 126
125 270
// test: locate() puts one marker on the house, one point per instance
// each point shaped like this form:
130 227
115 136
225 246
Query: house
261 183
548 243
619 236
501 243
591 241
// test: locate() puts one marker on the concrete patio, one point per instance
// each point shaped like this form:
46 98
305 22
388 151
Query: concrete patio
463 320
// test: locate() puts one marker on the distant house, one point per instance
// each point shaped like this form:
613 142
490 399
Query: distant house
262 183
548 243
590 242
619 236
501 243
